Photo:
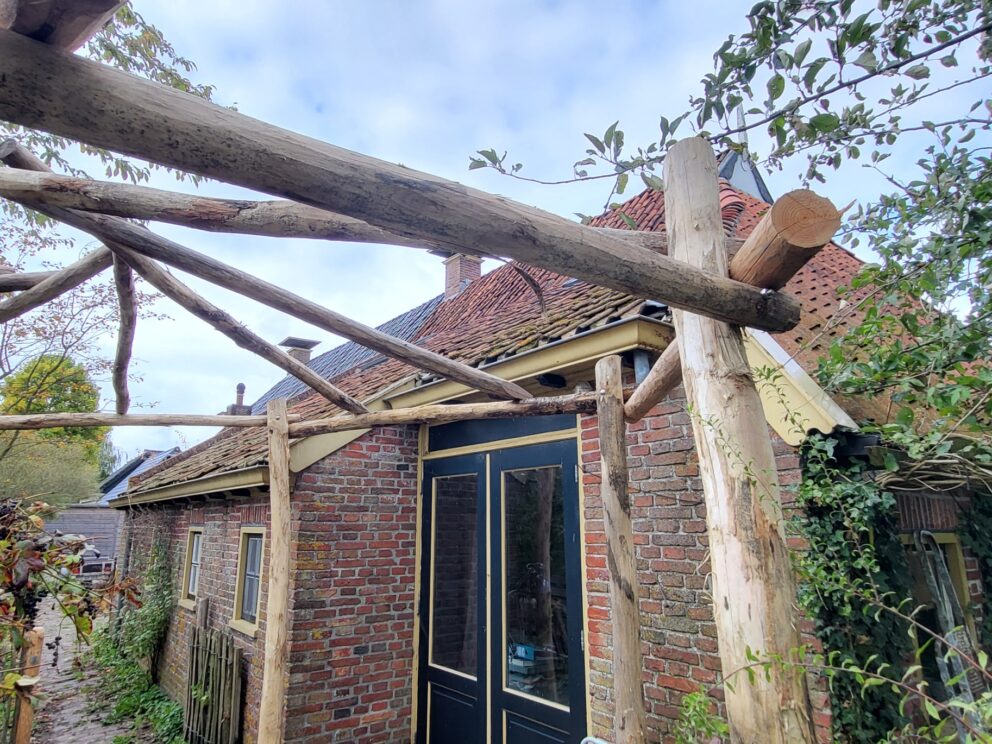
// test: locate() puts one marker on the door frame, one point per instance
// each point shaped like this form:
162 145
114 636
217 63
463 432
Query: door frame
513 437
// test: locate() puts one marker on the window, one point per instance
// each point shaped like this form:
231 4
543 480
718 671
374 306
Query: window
249 577
191 574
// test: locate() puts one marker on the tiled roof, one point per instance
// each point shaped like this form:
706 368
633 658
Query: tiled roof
499 315
341 358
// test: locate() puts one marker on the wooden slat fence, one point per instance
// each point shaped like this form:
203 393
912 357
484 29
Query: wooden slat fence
213 697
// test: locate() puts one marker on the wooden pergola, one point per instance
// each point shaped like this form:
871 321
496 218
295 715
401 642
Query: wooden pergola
328 193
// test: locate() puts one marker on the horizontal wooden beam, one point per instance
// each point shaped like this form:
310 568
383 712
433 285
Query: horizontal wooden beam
429 414
791 232
73 97
116 230
65 24
278 218
17 281
440 414
33 421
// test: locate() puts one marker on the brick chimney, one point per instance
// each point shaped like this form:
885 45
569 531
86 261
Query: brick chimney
460 271
238 408
298 348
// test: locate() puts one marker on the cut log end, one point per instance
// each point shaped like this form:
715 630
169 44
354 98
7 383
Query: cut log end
805 219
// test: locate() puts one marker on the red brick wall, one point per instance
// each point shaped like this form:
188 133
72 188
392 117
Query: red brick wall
352 643
221 522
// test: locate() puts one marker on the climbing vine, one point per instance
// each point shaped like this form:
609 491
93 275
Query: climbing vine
853 567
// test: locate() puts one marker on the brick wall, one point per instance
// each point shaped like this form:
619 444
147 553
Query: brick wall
351 648
221 522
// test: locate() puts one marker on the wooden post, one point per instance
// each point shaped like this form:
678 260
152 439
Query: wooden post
753 588
128 307
271 712
792 231
628 692
30 666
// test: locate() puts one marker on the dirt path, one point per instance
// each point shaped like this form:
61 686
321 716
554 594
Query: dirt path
72 704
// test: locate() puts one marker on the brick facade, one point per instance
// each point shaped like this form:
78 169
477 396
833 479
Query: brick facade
353 591
221 522
351 641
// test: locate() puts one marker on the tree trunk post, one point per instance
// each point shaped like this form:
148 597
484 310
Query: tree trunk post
272 709
753 588
30 667
628 691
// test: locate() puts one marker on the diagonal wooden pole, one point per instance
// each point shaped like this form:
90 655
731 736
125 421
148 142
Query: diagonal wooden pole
55 284
272 707
123 233
753 587
115 230
19 157
45 89
222 321
628 691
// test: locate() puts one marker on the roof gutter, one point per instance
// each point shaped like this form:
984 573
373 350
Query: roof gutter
254 476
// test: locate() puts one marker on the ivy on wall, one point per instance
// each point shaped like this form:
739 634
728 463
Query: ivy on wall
854 568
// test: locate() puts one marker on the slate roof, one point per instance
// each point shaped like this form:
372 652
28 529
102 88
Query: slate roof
115 484
341 358
498 315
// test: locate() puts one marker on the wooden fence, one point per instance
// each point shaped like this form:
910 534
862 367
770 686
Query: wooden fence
213 698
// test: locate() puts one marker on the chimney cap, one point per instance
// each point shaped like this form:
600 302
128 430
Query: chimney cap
294 342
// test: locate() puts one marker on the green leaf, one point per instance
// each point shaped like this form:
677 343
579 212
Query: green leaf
596 142
801 51
918 72
776 87
809 79
825 122
867 60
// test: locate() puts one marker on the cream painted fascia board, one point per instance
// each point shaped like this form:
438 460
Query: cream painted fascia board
246 478
794 392
623 335
305 452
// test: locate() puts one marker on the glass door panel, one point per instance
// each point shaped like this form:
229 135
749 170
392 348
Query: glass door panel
535 641
454 574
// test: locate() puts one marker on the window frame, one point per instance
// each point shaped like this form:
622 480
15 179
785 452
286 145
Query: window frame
958 569
247 627
185 599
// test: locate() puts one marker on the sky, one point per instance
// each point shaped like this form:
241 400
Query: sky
425 84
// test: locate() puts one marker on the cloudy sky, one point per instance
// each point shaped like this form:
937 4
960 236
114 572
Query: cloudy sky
424 83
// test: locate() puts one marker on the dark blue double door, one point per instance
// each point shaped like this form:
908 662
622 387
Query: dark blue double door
501 657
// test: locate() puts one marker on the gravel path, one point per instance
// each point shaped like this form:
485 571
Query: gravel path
72 705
